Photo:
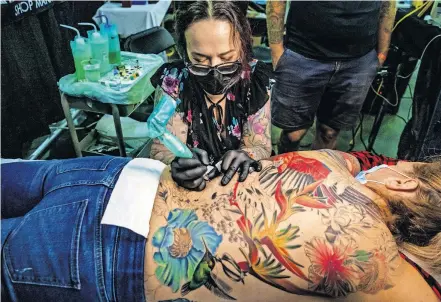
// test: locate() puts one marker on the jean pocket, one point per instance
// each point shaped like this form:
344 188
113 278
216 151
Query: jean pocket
44 248
92 163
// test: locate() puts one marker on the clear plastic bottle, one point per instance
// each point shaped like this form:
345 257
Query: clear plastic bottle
111 31
100 47
81 51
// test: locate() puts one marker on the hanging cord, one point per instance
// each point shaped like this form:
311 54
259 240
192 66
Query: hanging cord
220 112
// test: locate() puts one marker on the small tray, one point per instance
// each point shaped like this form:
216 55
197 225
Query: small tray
128 92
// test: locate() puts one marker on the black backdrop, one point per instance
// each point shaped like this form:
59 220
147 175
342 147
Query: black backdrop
35 53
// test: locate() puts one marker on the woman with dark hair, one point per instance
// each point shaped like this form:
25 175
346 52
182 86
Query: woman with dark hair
224 111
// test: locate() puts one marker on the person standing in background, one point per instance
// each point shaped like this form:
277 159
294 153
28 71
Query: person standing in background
325 67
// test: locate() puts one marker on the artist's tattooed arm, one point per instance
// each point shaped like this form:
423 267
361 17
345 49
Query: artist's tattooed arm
275 20
177 127
257 133
386 22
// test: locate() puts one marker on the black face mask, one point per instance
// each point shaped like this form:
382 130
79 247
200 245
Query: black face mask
215 82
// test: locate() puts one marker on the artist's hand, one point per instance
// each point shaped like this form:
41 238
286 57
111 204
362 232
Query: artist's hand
189 172
237 160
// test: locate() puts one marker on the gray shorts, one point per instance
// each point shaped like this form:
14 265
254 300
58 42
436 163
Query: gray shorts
332 90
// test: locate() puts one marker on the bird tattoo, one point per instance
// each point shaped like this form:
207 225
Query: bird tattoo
204 276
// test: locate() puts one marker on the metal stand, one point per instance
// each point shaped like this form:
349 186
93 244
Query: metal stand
118 129
89 105
70 124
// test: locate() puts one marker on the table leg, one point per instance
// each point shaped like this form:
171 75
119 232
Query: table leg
71 126
118 129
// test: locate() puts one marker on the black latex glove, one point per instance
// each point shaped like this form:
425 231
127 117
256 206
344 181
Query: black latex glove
189 172
236 161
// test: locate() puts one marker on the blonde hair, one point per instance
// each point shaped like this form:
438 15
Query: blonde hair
416 222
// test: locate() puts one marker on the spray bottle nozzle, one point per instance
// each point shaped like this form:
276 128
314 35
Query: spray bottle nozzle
96 34
79 39
90 24
106 22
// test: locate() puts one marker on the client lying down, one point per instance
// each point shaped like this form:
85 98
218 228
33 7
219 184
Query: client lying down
304 228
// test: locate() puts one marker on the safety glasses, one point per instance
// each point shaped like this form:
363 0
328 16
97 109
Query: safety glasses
224 68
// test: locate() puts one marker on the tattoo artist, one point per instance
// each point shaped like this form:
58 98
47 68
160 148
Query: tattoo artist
325 64
225 113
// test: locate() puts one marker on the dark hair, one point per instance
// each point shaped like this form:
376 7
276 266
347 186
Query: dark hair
416 222
191 12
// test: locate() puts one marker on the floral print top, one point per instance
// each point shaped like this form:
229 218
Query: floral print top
247 113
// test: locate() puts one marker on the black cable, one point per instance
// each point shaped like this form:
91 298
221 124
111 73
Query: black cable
361 131
352 145
361 135
354 132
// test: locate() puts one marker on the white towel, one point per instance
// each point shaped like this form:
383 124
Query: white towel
131 203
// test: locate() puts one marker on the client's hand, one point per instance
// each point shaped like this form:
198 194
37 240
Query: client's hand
189 172
236 160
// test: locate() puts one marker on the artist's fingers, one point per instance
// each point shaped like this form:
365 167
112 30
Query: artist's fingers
230 172
192 184
227 159
256 165
201 186
190 174
202 155
245 170
186 163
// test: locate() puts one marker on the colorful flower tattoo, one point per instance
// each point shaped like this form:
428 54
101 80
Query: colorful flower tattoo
181 246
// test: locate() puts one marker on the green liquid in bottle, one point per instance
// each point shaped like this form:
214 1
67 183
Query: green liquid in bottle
79 70
115 57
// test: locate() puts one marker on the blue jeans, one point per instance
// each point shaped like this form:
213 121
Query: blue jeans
54 247
334 91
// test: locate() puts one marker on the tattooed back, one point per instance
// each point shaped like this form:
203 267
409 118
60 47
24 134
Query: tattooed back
302 229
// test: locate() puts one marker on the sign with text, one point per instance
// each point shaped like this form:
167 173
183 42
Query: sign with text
16 10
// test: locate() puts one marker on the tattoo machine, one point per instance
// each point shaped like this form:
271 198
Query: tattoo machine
157 126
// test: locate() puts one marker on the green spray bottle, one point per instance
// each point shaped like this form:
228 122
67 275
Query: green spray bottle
100 47
80 51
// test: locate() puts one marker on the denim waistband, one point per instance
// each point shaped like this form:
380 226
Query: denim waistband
123 253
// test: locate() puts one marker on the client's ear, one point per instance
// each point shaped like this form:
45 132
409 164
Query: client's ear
400 184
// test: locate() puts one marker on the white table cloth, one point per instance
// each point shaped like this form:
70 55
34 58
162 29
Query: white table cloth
132 20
